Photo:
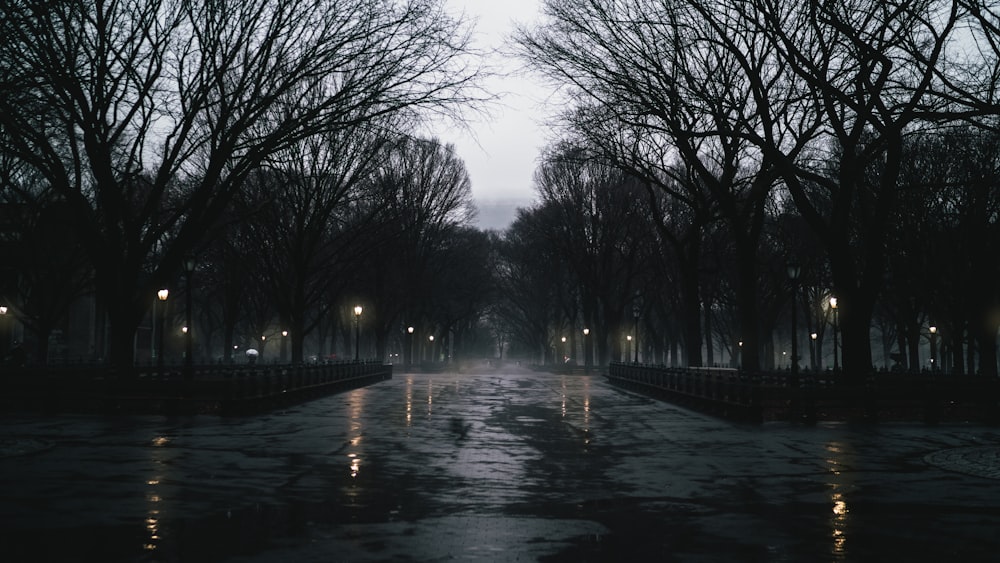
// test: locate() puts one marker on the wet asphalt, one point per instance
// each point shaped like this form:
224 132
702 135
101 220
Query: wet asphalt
495 466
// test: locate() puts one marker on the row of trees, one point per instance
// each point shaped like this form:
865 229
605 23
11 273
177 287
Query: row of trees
708 143
267 138
857 138
597 250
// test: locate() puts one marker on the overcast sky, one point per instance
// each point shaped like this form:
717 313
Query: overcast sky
501 152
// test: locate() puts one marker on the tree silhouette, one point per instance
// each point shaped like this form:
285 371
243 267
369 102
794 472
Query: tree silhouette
147 116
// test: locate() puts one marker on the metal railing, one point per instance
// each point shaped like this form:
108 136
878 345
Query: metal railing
816 395
205 389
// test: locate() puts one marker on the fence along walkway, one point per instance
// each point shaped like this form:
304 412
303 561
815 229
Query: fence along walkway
216 389
816 396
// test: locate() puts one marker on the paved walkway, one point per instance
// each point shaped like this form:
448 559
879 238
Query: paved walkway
493 467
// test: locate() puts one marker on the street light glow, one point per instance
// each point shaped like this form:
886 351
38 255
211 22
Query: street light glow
357 333
163 294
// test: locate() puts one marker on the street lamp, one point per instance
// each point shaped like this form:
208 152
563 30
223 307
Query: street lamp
636 310
430 351
162 296
794 270
284 345
4 332
409 333
357 333
833 305
586 350
628 351
812 349
564 349
189 264
933 330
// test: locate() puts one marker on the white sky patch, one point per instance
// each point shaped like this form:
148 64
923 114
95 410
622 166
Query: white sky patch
501 151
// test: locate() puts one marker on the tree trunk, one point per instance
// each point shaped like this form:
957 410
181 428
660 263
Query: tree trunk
970 349
913 336
855 323
41 352
988 348
749 311
691 313
957 359
707 330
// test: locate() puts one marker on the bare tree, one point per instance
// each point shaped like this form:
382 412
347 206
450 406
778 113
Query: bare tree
312 185
422 193
874 73
598 219
820 95
533 277
192 97
661 94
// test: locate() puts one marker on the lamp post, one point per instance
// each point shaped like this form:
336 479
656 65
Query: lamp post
284 345
161 296
628 349
933 331
812 350
189 264
4 332
586 347
636 310
794 270
409 336
564 349
833 305
357 333
430 351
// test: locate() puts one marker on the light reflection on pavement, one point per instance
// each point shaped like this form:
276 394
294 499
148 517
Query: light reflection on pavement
494 467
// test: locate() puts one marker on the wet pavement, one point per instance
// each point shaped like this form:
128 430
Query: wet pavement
515 466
